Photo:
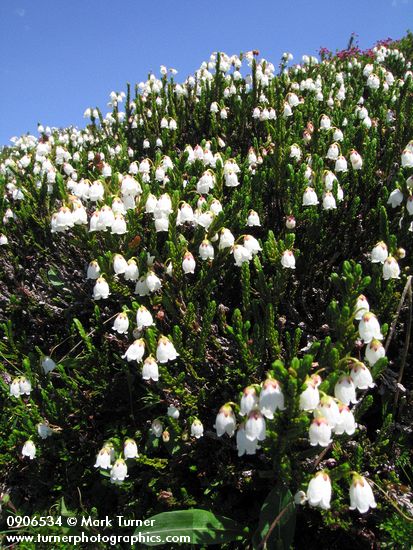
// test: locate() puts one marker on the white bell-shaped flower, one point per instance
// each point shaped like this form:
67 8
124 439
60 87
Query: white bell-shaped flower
290 222
15 388
333 152
29 449
44 430
253 219
356 160
325 122
101 289
157 428
106 217
153 282
373 81
362 307
25 386
374 351
130 186
119 225
407 158
310 397
255 428
329 202
225 421
48 364
215 207
395 198
241 254
310 197
206 250
369 328
121 323
347 423
161 223
197 429
141 287
119 471
173 412
204 219
271 398
226 239
135 351
143 318
379 253
245 445
93 270
391 269
150 204
205 183
231 179
188 263
295 152
104 457
185 214
165 351
329 178
341 164
361 376
251 244
131 271
345 390
409 206
328 409
361 495
320 432
249 400
130 449
96 191
319 491
288 259
150 370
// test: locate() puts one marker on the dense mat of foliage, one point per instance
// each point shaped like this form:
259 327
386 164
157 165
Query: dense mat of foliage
185 294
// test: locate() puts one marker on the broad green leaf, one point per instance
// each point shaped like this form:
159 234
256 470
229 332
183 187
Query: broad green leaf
202 526
278 504
54 278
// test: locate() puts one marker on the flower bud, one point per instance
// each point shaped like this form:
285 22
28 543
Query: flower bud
290 222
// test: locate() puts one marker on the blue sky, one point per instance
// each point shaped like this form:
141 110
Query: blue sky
59 57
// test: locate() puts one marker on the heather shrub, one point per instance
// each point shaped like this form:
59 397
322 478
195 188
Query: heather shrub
206 305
